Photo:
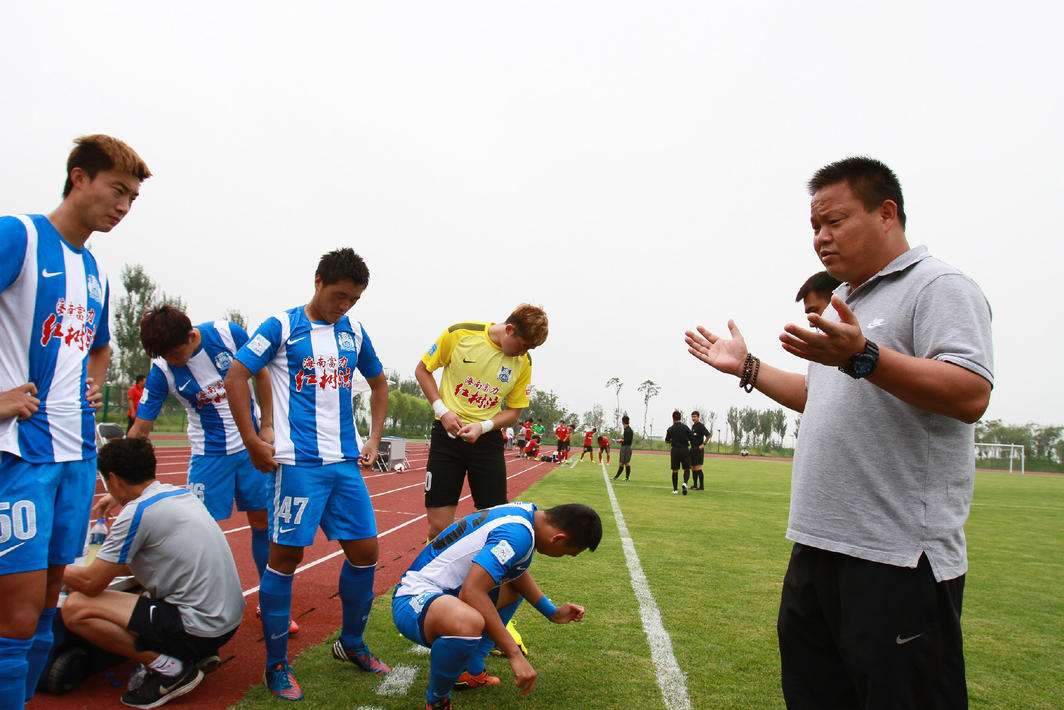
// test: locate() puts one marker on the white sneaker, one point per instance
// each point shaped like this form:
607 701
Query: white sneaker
675 492
684 485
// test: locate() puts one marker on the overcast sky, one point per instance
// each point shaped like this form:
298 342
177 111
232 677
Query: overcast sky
634 168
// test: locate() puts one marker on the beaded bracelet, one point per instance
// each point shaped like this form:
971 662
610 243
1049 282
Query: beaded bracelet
751 368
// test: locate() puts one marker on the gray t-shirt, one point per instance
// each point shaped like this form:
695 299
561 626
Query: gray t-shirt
874 477
178 554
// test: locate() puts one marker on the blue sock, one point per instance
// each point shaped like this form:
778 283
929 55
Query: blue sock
13 667
260 549
476 661
449 656
356 598
39 650
275 598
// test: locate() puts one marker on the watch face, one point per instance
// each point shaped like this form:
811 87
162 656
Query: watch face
863 365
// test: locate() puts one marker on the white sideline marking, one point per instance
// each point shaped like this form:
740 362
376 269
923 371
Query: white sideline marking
419 650
389 531
398 682
671 679
369 707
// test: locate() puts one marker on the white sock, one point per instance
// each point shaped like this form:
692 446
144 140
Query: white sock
167 665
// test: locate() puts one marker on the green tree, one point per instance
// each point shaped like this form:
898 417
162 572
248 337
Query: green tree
616 384
595 417
545 405
140 295
735 423
235 316
649 389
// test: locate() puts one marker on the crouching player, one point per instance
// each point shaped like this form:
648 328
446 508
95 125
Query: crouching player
171 545
464 587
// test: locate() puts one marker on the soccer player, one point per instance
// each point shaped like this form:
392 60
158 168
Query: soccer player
563 433
173 548
486 382
815 293
604 447
532 450
133 395
626 450
679 437
538 429
55 350
699 436
589 439
464 587
191 362
310 352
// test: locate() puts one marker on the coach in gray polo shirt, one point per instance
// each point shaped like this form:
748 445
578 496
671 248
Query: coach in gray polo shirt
900 368
170 544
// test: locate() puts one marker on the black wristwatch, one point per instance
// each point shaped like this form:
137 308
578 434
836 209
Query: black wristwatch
863 364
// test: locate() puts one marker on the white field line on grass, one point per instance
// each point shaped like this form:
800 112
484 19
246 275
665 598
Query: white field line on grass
398 682
671 678
389 531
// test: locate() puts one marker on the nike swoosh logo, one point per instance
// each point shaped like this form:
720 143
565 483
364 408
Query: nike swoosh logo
49 274
278 636
182 387
469 362
13 547
293 342
901 641
151 614
285 530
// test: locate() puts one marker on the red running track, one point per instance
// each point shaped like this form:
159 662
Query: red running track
398 500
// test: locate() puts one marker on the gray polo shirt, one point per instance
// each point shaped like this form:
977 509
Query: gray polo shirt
178 554
874 477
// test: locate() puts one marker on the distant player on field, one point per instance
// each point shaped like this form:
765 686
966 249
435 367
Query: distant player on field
464 587
563 434
54 353
604 447
133 395
679 437
589 444
171 545
699 436
626 450
311 353
486 382
190 363
815 293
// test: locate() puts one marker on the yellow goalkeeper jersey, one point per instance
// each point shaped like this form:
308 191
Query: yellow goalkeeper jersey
478 378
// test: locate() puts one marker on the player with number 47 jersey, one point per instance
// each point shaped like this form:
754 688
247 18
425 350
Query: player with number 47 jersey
311 353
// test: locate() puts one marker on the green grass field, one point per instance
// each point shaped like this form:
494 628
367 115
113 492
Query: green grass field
714 561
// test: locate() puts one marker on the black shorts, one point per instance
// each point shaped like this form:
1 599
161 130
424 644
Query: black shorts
854 633
681 458
563 446
157 626
589 450
451 459
698 455
626 454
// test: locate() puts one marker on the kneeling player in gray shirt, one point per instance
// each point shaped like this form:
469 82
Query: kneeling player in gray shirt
170 544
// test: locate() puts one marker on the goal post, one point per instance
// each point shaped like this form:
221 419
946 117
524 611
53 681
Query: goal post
1012 452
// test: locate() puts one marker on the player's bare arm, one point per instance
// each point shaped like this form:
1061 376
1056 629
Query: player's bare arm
728 356
92 579
238 393
931 385
19 402
96 370
474 592
141 429
450 421
526 586
264 396
378 410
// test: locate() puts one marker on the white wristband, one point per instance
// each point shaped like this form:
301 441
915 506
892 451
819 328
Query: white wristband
486 426
439 408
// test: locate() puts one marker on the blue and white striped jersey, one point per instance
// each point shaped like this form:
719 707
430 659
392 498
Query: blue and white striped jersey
200 385
499 539
311 365
53 311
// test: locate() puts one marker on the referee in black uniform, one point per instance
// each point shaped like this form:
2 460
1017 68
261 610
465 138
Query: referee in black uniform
699 435
679 436
626 450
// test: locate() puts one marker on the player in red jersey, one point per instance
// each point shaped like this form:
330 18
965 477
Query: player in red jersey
604 447
589 439
563 433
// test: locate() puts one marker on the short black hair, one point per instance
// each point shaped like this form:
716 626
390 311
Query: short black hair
132 460
676 416
580 522
164 328
695 413
821 282
138 378
342 265
624 419
871 181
